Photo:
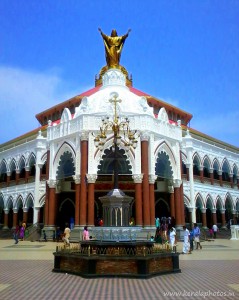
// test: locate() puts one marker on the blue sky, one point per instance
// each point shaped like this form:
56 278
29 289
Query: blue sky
185 52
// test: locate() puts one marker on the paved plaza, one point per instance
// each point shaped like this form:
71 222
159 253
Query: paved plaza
210 273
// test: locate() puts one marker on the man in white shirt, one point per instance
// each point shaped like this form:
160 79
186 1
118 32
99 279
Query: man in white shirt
215 230
186 241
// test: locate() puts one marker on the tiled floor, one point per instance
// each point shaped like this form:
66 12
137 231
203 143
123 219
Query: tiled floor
210 273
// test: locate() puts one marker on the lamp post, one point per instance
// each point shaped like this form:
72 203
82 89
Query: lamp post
121 131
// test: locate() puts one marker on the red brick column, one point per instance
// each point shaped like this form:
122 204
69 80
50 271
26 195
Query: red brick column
201 174
77 200
204 218
211 176
91 199
138 199
25 215
145 184
52 202
15 211
214 216
220 178
83 189
152 179
17 176
223 217
231 180
46 208
6 211
177 196
8 178
172 202
26 174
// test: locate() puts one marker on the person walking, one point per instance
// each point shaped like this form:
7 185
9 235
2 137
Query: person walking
191 238
197 233
172 235
186 240
66 236
215 230
86 234
16 234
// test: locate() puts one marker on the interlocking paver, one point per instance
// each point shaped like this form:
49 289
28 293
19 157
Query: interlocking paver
210 273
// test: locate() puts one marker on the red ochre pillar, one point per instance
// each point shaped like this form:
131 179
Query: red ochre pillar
6 211
138 199
77 200
223 217
204 218
211 177
177 206
172 202
46 208
145 183
83 189
152 179
214 216
91 199
15 211
52 202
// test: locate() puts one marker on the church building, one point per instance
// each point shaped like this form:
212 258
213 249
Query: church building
115 140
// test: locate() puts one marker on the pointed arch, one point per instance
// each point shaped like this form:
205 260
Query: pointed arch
19 202
9 203
216 168
196 164
209 202
3 171
226 170
66 115
12 168
199 201
206 166
29 201
22 166
163 147
64 163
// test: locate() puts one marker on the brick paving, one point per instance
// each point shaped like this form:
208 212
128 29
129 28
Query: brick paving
23 277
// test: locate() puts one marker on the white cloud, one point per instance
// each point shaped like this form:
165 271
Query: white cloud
23 94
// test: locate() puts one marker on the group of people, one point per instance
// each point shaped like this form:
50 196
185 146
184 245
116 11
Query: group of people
67 232
191 238
19 232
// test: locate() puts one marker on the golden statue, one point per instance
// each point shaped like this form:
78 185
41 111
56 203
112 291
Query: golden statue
113 47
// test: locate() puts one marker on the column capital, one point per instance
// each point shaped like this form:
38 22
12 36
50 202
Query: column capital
6 211
177 183
203 210
190 209
171 189
145 137
222 210
84 136
213 210
138 178
152 178
76 178
91 178
51 183
15 210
